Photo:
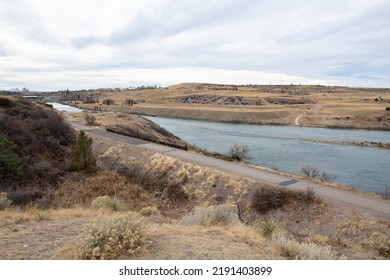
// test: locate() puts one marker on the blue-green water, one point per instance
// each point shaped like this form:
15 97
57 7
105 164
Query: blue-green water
285 148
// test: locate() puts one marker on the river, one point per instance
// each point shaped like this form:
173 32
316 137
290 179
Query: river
285 148
65 108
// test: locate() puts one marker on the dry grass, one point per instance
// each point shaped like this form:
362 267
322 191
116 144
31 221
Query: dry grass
294 250
172 179
80 190
366 234
220 215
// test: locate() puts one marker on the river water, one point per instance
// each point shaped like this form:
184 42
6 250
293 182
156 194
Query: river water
285 148
65 108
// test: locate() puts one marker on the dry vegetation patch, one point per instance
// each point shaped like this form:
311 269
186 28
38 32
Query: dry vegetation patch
81 189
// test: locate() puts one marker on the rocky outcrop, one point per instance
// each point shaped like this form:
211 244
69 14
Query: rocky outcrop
218 100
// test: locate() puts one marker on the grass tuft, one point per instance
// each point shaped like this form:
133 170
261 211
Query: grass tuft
106 202
269 228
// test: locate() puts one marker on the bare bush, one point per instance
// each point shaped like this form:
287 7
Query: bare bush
326 177
310 194
90 119
265 199
386 193
239 152
310 171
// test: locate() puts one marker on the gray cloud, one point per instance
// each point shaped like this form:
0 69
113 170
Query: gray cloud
341 40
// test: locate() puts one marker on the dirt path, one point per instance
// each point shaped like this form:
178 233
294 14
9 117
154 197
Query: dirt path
296 122
318 108
172 241
37 240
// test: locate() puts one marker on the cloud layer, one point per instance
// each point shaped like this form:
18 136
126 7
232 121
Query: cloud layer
50 45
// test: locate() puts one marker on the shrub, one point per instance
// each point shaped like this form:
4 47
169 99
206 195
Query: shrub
9 163
112 237
81 156
4 201
148 211
238 152
106 202
40 134
310 194
221 215
24 198
5 102
269 228
386 193
108 102
310 171
89 119
265 199
42 216
326 177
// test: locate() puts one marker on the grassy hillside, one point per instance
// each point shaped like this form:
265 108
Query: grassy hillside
41 141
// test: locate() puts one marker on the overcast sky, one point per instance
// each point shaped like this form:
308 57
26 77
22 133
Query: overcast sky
77 44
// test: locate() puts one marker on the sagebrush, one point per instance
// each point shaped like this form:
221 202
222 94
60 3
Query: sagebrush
112 237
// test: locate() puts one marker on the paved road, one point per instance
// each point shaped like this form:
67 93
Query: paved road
250 172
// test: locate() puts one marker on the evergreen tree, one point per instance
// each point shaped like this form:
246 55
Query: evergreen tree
81 156
9 164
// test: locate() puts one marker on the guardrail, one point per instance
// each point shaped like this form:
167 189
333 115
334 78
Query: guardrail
124 133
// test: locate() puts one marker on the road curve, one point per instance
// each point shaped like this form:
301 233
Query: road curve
345 197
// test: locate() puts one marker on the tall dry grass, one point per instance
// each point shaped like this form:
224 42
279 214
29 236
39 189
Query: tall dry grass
81 190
